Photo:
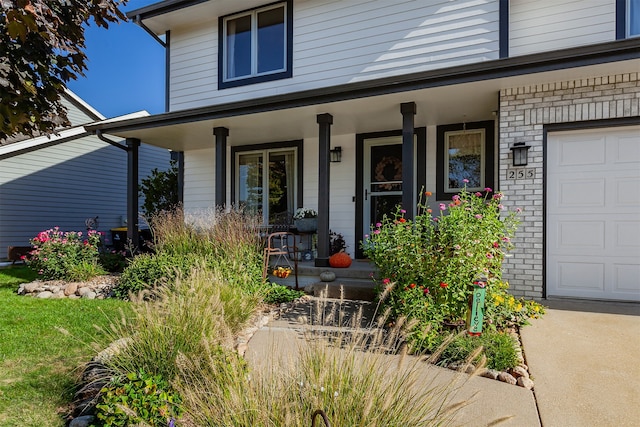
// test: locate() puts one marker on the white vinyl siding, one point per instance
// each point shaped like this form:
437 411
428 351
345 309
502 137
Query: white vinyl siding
199 180
546 25
341 42
63 185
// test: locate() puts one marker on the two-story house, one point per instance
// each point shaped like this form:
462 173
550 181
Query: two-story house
537 99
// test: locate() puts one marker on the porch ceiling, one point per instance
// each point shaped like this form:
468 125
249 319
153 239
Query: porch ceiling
456 103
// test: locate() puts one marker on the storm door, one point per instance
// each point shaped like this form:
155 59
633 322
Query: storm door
382 179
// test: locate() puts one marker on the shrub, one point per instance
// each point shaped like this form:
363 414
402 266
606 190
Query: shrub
499 349
136 398
276 294
113 262
146 271
160 190
69 255
447 252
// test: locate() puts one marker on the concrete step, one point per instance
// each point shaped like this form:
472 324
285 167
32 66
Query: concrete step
349 289
359 269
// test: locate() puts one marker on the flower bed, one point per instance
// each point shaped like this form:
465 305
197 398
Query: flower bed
428 266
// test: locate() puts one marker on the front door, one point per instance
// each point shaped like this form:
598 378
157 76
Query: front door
382 179
379 177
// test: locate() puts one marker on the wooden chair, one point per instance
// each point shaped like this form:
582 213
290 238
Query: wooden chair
280 242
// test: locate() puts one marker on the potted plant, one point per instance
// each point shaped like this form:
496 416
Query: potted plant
306 220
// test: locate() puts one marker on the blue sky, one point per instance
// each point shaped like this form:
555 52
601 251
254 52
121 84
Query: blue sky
126 69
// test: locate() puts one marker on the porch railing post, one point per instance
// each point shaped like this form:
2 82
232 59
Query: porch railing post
324 121
408 110
221 134
133 146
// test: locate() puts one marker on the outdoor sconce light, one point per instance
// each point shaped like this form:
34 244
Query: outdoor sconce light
520 154
336 155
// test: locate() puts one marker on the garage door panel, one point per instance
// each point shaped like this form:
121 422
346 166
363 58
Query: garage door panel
627 238
580 275
625 279
581 235
582 152
581 193
627 150
627 191
593 214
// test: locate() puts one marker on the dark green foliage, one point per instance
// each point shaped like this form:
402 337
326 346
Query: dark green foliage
136 398
41 49
336 243
160 190
113 262
276 294
499 349
146 271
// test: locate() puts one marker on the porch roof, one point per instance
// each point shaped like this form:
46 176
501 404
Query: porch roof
451 95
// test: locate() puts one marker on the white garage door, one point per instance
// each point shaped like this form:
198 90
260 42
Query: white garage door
593 214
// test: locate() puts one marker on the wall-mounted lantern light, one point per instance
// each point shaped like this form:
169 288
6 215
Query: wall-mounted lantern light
520 154
336 155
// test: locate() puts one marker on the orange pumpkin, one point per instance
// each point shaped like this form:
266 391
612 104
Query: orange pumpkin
340 260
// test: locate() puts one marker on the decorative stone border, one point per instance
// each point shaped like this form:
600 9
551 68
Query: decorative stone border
97 288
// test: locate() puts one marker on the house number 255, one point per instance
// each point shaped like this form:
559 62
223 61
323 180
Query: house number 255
521 173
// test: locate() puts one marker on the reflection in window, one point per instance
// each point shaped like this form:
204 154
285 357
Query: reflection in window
270 193
255 43
633 17
250 182
464 160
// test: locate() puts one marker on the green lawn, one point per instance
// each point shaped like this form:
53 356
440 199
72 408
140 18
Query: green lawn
38 363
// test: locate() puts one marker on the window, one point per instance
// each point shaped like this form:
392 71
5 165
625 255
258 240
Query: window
465 152
255 46
266 178
633 18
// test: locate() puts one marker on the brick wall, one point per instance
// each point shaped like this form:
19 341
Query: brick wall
523 113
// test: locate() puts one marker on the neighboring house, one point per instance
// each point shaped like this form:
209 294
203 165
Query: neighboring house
421 93
62 180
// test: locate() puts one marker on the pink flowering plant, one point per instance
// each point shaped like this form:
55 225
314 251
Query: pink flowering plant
72 255
428 264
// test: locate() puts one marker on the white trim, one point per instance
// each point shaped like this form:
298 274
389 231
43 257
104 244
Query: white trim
82 102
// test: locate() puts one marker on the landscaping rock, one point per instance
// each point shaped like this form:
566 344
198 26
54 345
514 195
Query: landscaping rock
507 378
490 373
84 421
83 290
31 287
45 295
71 288
101 286
89 295
525 382
518 372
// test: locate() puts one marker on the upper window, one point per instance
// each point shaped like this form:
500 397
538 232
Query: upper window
255 46
465 158
633 18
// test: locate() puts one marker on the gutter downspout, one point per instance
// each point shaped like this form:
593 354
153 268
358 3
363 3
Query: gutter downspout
139 22
100 136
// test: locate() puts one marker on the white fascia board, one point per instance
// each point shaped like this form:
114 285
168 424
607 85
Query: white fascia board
81 101
33 143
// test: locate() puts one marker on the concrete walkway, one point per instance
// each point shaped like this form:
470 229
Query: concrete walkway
583 356
585 361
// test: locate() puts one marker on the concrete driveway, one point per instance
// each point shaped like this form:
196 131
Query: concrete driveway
584 357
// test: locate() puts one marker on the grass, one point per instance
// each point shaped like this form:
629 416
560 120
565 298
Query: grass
38 363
